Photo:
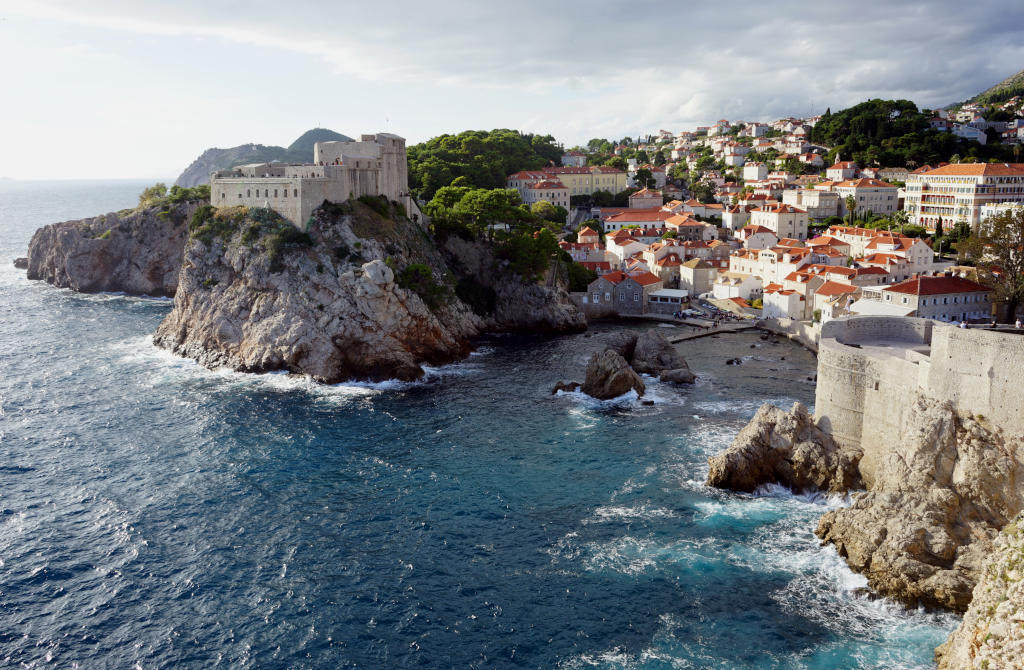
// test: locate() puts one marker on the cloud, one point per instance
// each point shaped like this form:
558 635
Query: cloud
591 68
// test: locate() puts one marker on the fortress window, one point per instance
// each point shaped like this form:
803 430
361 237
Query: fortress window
275 192
286 193
295 193
248 193
222 195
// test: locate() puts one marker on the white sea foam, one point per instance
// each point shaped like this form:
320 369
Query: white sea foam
166 367
609 513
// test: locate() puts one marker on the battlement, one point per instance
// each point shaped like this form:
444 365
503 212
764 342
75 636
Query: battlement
871 368
374 165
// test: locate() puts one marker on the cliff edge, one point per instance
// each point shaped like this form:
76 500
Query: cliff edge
360 296
136 251
992 632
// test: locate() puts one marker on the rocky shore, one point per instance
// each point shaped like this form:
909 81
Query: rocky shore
135 251
942 491
360 296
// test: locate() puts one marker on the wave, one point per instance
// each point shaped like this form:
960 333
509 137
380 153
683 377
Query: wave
165 366
622 513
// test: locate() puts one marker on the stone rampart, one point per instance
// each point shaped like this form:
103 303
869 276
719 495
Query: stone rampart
870 369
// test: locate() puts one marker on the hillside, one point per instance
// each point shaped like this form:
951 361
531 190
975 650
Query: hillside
1004 90
299 151
894 133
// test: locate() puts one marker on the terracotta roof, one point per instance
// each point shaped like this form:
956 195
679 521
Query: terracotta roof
937 286
646 279
646 193
641 215
587 231
977 169
596 266
548 185
845 165
740 301
864 182
873 270
826 241
833 288
614 277
885 259
782 209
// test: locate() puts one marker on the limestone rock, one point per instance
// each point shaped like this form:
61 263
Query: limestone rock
943 489
609 376
787 448
21 263
654 354
138 252
622 342
991 634
568 387
331 310
518 305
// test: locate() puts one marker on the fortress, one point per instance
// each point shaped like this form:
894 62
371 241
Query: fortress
870 369
375 165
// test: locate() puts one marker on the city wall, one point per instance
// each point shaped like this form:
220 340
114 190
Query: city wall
870 370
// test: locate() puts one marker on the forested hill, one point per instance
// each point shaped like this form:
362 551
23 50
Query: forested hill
1003 91
299 151
894 133
478 158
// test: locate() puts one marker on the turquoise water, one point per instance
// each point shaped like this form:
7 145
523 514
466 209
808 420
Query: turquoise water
157 514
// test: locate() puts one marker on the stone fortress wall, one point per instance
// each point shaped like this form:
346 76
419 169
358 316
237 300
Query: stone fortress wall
374 165
870 368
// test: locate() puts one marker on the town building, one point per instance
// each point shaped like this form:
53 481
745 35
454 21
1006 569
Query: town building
841 171
645 198
957 192
870 195
574 159
783 220
818 204
944 298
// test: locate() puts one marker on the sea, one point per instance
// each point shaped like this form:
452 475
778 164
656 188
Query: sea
158 514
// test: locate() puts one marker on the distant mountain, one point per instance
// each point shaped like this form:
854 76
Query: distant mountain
299 151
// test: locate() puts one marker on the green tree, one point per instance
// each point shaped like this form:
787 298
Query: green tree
995 249
703 191
851 207
900 219
644 178
617 162
152 195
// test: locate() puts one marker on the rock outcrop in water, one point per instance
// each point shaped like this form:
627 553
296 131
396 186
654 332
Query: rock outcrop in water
614 370
991 634
360 296
609 376
135 251
653 354
787 448
942 490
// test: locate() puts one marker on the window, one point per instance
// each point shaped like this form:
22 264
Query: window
275 192
248 193
636 297
286 193
223 194
597 298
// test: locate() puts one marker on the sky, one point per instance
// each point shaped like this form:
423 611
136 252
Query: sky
106 89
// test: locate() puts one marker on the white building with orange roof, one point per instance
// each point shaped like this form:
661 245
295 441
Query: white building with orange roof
818 203
551 191
620 245
652 217
841 171
957 192
919 256
782 303
735 217
758 237
827 241
783 220
588 235
870 195
737 285
944 298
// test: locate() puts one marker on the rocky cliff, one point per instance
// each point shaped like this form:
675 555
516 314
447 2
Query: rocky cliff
365 294
257 295
515 305
942 489
135 251
991 635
